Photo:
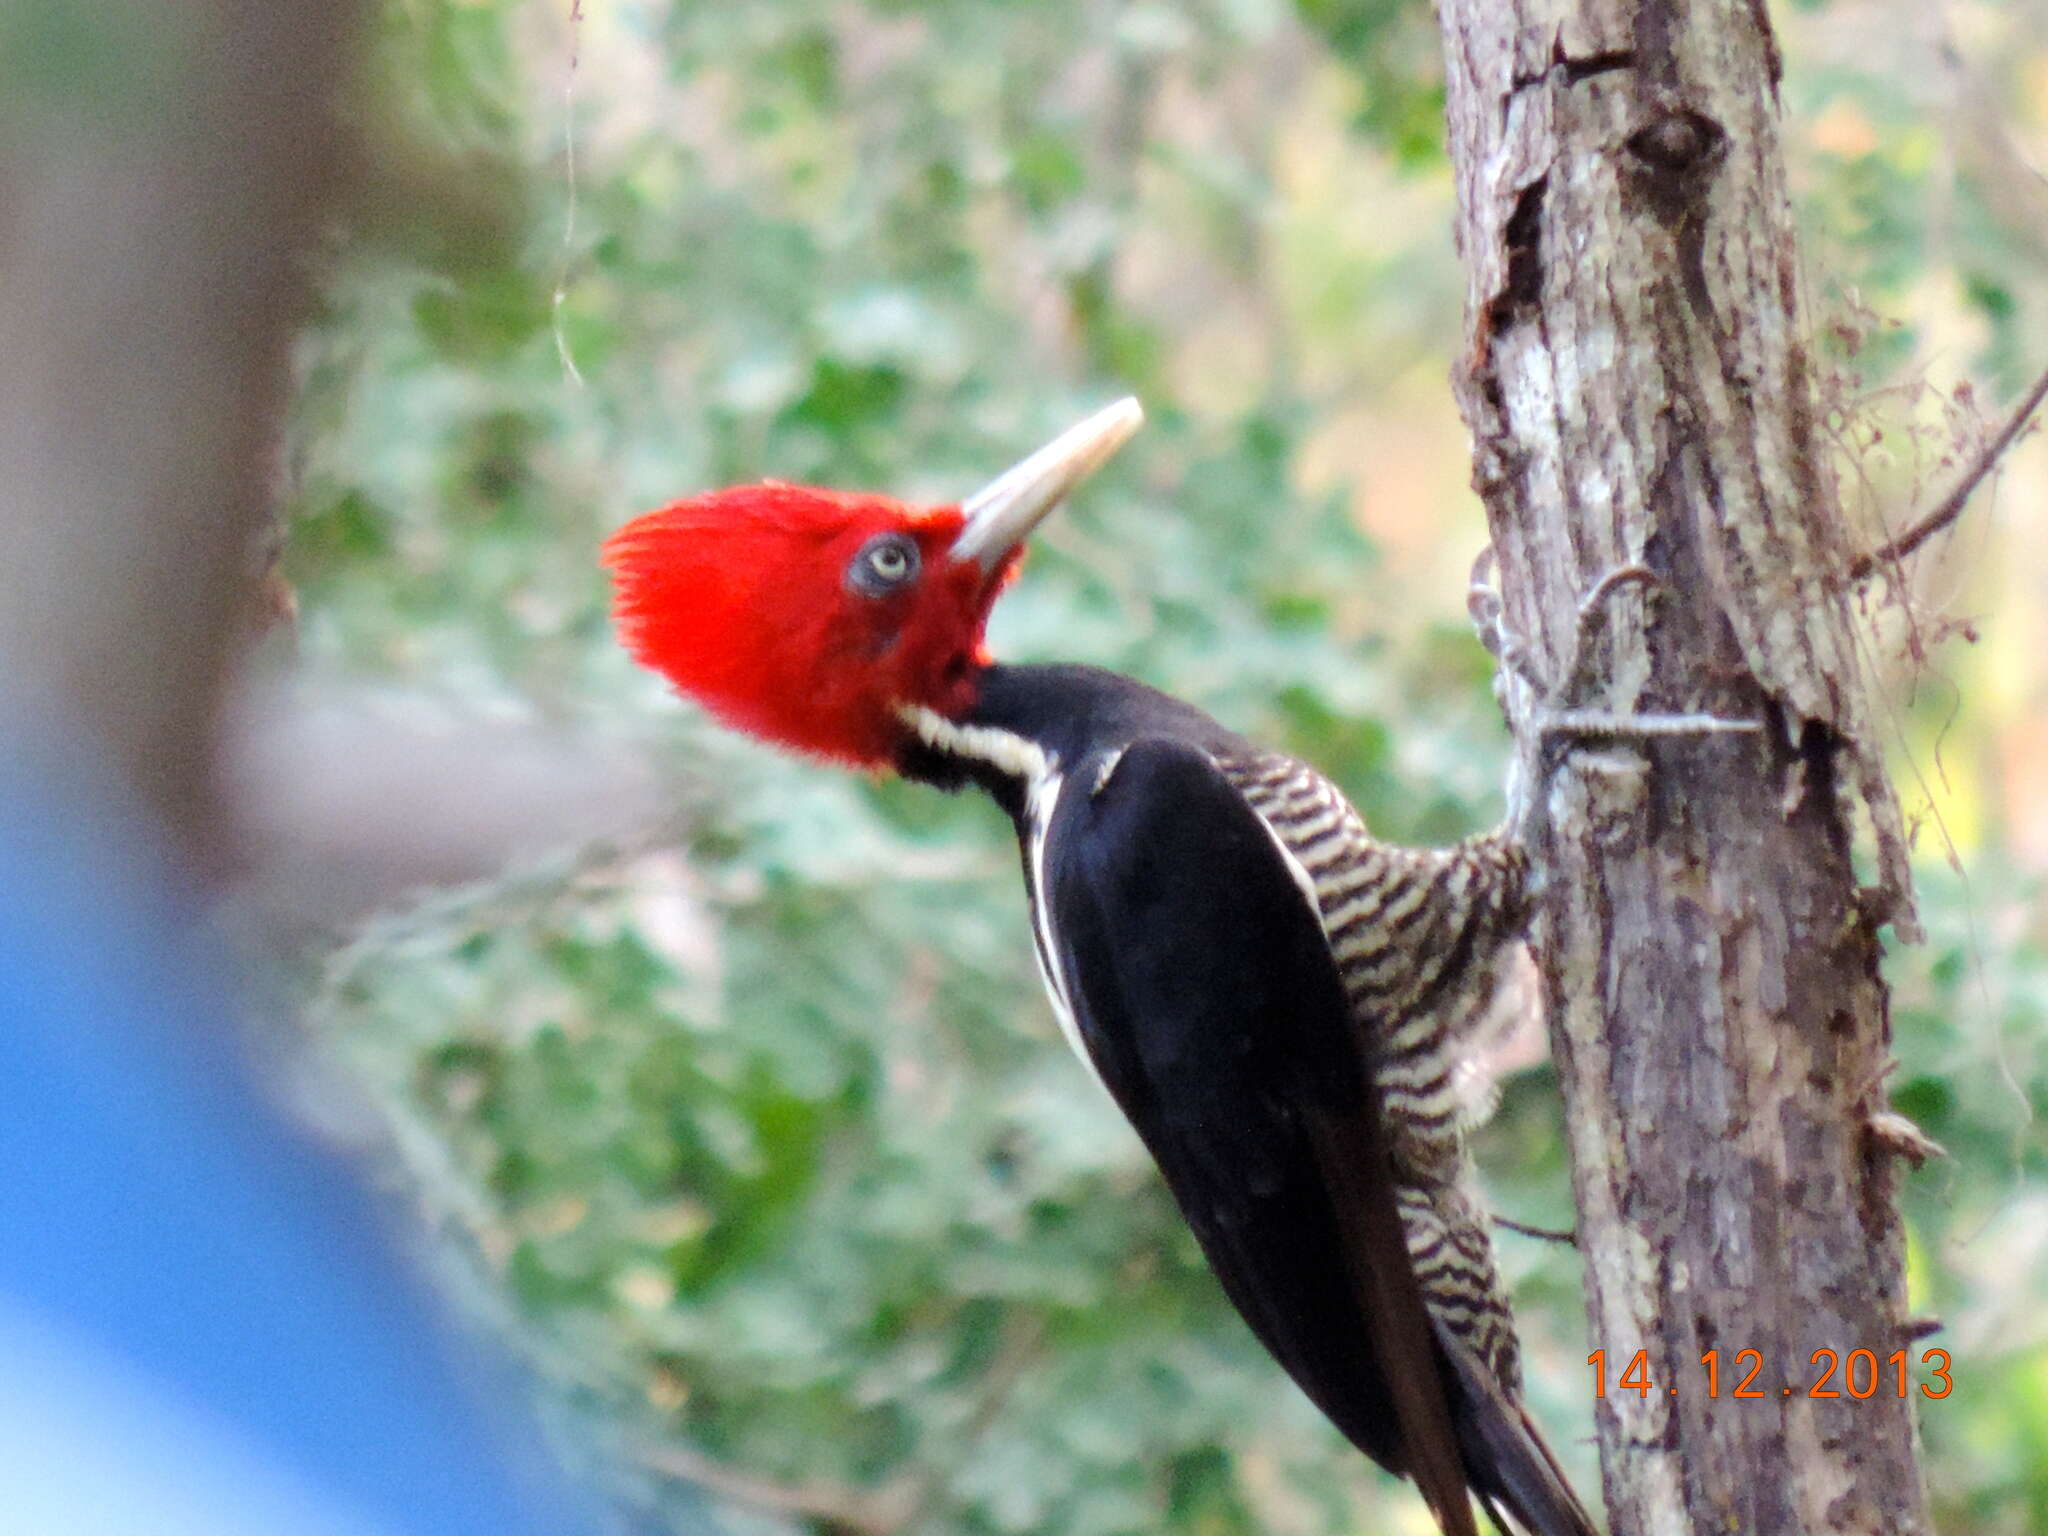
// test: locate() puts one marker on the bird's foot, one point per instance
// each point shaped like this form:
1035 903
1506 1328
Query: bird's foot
1489 617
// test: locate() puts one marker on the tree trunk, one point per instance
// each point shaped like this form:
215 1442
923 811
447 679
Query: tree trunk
1638 390
162 188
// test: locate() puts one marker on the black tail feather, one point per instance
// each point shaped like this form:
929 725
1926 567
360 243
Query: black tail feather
1506 1457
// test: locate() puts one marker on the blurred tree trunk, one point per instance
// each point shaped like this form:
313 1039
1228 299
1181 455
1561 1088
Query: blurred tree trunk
1638 389
164 172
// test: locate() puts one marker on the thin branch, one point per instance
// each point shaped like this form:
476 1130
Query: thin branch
898 1504
1950 507
875 1512
569 367
1023 1340
1568 1236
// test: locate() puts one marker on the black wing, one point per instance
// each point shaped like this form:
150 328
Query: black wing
1203 987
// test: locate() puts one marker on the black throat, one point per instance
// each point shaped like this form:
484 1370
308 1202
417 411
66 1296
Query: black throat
1056 716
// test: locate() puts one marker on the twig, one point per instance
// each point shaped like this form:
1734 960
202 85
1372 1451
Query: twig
1023 1338
569 367
1567 1236
1950 507
897 1504
875 1512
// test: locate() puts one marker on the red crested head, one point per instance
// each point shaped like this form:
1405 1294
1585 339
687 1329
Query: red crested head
813 618
805 617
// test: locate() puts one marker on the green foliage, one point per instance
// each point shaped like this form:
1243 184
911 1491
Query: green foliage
1972 1028
1392 49
757 1132
1887 211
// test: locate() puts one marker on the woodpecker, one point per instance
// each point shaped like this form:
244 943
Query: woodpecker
1277 1001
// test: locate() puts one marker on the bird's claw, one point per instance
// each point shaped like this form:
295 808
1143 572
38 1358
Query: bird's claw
1489 618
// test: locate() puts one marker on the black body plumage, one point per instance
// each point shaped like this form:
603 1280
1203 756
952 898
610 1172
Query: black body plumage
1279 1005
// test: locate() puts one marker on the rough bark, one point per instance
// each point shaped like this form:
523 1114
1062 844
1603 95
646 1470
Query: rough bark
1637 385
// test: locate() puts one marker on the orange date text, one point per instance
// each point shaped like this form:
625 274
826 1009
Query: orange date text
1861 1373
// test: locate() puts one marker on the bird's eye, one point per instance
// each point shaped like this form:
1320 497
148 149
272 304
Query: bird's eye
885 563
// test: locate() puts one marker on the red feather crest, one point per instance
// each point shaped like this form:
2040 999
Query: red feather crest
739 597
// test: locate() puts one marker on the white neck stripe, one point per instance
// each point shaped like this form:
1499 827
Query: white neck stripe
1037 770
1005 751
